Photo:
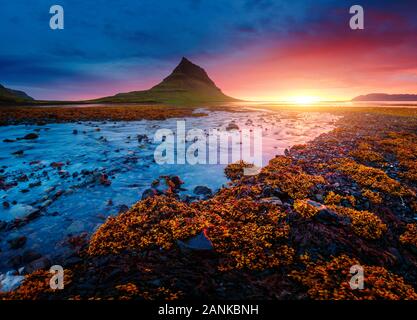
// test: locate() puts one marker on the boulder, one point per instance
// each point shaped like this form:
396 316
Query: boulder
272 200
17 243
38 264
232 126
31 136
202 190
149 193
200 242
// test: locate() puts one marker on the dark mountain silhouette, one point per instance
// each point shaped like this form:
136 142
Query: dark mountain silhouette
13 96
386 97
188 83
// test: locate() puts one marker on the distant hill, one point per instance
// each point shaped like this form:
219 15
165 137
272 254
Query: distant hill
386 97
13 96
188 83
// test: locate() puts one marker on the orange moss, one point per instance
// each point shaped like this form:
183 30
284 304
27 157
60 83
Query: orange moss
35 286
235 171
364 153
102 113
334 198
247 234
410 235
291 179
374 197
153 222
371 177
306 210
330 281
364 223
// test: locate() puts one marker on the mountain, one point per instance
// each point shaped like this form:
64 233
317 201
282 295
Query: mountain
188 83
13 96
386 97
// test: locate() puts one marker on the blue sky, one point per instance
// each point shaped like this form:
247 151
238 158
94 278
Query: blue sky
112 46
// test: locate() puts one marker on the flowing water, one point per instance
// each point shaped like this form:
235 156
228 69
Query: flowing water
60 171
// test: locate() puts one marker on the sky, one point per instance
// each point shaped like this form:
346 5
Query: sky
266 50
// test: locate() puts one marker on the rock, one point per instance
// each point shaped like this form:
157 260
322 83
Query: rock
202 190
75 227
272 200
74 131
6 205
174 183
46 203
33 215
31 136
38 264
123 208
199 243
104 180
232 126
3 225
328 216
29 256
268 192
17 243
143 138
22 178
319 197
149 193
57 165
316 204
18 153
35 184
21 211
8 140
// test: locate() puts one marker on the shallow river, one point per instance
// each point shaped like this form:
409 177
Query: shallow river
60 171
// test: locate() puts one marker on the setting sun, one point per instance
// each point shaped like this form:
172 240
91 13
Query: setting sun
304 99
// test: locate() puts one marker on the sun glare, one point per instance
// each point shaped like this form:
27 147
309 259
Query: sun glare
304 100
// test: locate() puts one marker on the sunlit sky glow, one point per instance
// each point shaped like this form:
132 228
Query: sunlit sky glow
268 50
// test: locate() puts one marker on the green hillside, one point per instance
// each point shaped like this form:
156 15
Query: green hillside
188 83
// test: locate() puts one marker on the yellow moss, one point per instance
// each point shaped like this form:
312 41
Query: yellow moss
374 197
331 281
364 223
371 177
334 198
235 171
291 179
306 210
364 153
246 234
35 286
153 222
410 235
